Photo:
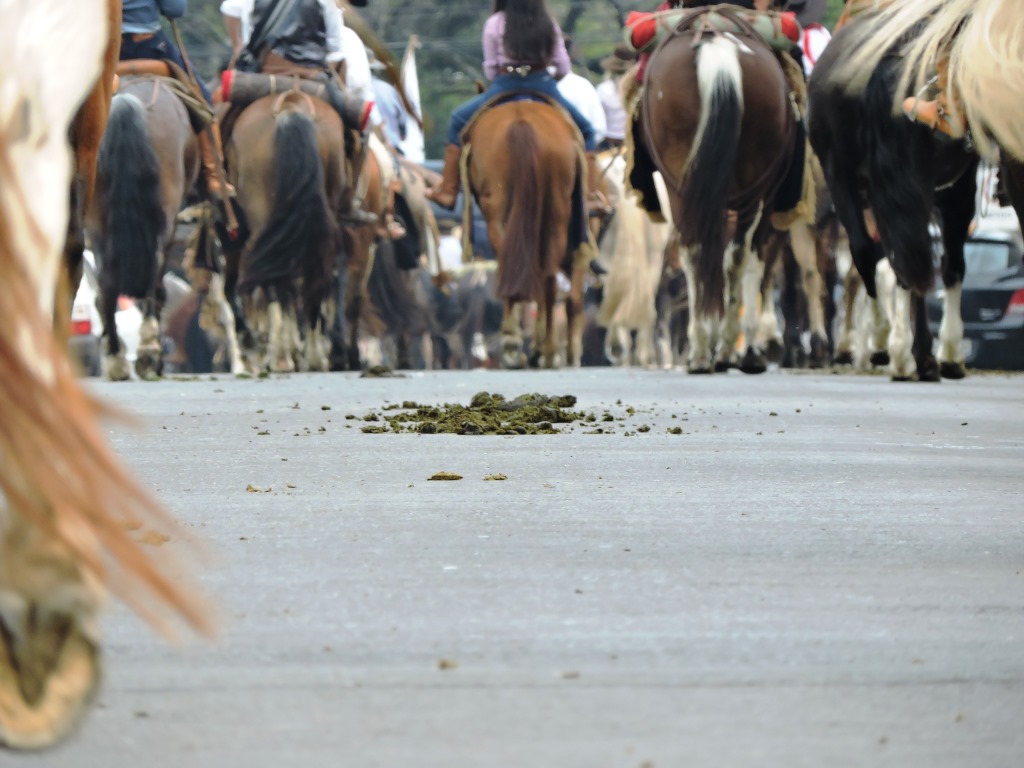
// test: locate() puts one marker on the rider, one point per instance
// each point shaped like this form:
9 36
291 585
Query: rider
143 38
521 39
311 34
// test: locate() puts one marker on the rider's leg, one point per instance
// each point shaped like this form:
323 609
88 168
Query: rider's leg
447 191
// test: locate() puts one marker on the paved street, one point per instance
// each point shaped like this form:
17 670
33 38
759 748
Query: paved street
818 570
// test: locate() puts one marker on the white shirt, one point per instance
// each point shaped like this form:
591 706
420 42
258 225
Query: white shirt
614 111
582 94
333 22
449 251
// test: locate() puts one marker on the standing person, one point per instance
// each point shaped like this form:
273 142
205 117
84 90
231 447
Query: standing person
521 39
394 120
143 38
582 94
610 93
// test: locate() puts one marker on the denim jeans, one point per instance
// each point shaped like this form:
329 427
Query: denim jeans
540 82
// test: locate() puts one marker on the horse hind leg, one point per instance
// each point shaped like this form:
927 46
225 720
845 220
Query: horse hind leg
512 354
50 664
754 359
806 255
699 330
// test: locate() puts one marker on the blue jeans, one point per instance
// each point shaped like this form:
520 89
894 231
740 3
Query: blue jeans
157 47
540 82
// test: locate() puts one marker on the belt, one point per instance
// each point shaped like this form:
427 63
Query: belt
523 69
139 37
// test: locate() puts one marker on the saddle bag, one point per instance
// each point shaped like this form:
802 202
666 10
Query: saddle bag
243 88
643 31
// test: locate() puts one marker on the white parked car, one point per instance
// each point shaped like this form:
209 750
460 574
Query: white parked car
87 348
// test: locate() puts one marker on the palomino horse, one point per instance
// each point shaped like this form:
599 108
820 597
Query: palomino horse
66 504
900 172
719 127
286 155
525 165
148 162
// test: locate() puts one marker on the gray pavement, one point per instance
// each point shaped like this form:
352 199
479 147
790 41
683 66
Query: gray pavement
821 570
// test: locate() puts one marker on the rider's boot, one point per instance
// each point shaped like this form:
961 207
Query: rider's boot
212 154
445 193
353 213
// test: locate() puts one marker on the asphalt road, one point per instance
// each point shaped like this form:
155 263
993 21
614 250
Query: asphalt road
819 570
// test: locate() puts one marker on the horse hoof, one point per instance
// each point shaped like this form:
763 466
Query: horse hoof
844 358
753 362
952 370
928 371
819 353
46 691
774 351
117 369
879 359
722 366
700 370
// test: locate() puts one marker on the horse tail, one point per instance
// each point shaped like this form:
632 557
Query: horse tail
899 180
521 258
300 228
128 180
711 163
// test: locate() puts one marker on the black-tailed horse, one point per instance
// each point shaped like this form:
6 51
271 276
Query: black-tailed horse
67 506
719 126
525 166
286 156
898 173
148 162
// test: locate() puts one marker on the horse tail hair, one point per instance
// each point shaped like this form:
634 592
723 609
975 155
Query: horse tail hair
300 228
900 185
128 180
710 166
521 258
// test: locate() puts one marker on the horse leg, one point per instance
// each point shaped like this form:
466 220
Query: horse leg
752 277
806 254
896 302
699 335
149 355
728 356
547 312
956 206
927 368
50 662
279 355
221 307
114 363
512 355
845 348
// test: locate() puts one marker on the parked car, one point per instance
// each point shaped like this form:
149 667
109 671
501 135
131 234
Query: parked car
481 243
992 302
86 346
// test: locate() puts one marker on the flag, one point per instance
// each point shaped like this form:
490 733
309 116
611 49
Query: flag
412 146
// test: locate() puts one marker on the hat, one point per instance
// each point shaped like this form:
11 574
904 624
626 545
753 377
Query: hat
622 58
808 11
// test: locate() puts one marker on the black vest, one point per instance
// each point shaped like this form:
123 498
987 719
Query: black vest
301 37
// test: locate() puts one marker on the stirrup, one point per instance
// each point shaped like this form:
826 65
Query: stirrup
357 217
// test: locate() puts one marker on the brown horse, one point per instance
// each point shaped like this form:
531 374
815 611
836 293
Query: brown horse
149 161
85 134
67 503
287 158
719 127
525 163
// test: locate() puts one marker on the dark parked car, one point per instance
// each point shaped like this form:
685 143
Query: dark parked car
481 244
992 303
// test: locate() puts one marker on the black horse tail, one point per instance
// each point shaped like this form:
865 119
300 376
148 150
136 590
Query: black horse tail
128 188
711 165
520 262
299 235
899 157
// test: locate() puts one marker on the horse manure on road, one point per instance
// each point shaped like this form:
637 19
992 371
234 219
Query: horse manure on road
487 414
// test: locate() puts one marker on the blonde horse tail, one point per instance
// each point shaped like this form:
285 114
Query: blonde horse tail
712 161
520 262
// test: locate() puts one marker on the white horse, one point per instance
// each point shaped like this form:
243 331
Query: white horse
632 250
66 504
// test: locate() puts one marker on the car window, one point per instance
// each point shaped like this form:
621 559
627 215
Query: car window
983 256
